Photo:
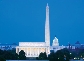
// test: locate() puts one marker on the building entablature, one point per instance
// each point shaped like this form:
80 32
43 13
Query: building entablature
32 44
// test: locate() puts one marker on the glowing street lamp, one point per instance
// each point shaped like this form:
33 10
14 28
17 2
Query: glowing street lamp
70 53
81 55
58 58
78 58
83 58
74 58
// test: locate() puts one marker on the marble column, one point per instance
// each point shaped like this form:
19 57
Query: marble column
38 51
30 51
16 50
27 51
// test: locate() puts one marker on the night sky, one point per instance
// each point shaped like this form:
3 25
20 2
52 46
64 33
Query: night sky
24 21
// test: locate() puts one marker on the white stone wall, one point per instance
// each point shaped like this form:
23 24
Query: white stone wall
31 43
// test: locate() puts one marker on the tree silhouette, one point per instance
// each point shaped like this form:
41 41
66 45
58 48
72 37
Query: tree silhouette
51 57
42 56
2 59
22 55
60 55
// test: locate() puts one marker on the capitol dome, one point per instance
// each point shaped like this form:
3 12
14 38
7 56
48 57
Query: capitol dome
55 42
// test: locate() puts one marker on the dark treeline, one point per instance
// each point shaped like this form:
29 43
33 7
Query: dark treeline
63 55
60 55
11 55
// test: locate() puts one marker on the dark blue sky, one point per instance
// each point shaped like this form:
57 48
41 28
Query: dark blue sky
24 20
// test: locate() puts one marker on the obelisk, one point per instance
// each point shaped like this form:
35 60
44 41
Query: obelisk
47 29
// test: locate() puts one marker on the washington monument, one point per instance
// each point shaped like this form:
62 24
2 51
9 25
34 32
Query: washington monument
47 28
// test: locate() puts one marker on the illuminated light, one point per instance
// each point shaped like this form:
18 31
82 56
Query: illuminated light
64 55
75 58
70 53
83 58
78 58
81 55
58 58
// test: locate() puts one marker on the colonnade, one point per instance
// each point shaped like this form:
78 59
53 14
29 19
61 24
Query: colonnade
31 51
